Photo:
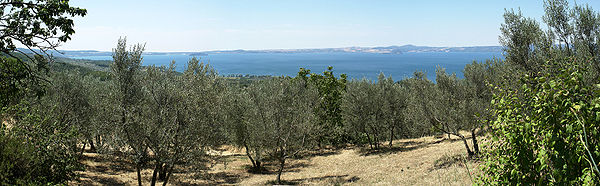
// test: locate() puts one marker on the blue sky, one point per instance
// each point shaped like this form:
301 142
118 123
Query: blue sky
197 25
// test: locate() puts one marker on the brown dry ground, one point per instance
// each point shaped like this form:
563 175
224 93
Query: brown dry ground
420 161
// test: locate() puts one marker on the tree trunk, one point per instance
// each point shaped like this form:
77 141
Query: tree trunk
162 172
475 143
92 146
370 142
282 163
82 149
319 142
99 141
391 136
469 152
139 174
168 174
375 137
376 140
154 173
250 156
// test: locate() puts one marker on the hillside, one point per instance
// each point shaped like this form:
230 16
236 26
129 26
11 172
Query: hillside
419 161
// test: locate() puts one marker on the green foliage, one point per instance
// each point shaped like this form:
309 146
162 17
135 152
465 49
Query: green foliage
420 91
163 117
361 110
279 119
128 96
29 21
329 111
549 135
179 115
37 148
374 110
70 103
14 79
545 106
453 105
395 102
518 37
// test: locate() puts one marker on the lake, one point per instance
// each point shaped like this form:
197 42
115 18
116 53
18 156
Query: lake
355 65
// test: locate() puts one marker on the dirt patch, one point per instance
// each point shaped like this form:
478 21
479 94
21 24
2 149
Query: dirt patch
420 161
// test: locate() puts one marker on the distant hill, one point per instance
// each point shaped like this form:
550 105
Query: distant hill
377 50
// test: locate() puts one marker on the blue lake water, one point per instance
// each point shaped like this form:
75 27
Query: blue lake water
355 65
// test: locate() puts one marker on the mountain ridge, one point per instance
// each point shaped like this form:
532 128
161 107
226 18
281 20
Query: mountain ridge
394 49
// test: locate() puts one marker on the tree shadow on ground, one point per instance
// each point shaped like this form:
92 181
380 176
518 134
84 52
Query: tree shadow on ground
451 160
106 164
332 180
271 168
295 166
93 180
219 178
399 147
320 152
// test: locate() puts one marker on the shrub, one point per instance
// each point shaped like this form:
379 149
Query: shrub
546 132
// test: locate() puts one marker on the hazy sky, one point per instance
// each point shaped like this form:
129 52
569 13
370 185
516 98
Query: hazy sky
197 25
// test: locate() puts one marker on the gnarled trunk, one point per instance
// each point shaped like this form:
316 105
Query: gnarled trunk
282 163
469 152
250 156
475 143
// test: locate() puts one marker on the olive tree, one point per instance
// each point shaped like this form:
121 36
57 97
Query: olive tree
442 106
125 71
236 102
421 92
363 111
280 118
72 103
394 98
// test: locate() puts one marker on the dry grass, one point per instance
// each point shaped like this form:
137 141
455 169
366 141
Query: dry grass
421 161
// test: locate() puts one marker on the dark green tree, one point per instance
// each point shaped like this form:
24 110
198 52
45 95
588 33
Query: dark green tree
329 110
39 25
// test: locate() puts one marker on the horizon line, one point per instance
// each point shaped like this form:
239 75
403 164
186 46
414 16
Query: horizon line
308 48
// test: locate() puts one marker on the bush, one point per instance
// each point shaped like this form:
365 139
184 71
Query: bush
36 149
546 132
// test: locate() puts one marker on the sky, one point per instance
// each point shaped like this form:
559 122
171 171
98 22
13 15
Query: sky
204 25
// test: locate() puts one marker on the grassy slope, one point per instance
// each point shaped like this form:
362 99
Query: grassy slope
421 161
